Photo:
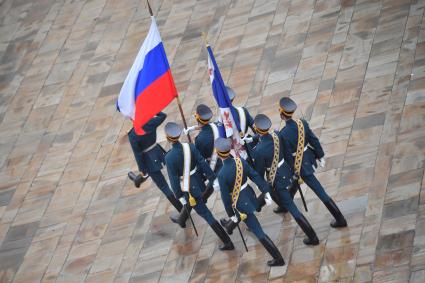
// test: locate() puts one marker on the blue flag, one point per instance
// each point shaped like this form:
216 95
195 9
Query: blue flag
230 127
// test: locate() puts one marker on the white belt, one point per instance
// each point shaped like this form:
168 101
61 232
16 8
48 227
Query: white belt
244 185
305 148
279 164
190 173
149 148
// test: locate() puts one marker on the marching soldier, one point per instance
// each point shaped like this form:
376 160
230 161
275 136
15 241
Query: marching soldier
204 141
303 149
239 199
184 161
269 159
150 158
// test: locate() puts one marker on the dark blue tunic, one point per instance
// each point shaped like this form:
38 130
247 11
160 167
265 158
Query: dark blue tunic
247 202
204 142
152 160
174 161
314 151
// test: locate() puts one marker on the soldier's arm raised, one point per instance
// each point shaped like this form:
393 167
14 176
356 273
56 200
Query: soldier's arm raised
154 123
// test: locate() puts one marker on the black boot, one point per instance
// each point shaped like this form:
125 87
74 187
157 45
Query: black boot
293 189
311 238
280 209
181 217
261 202
273 251
175 203
227 242
207 193
137 179
229 225
336 213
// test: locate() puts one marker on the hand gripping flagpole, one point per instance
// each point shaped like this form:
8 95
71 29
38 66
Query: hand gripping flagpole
204 37
188 136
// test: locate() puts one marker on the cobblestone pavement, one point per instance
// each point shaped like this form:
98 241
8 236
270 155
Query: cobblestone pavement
68 212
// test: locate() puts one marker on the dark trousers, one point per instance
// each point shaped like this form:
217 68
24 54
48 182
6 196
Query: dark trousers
161 183
287 202
203 211
137 151
317 188
252 222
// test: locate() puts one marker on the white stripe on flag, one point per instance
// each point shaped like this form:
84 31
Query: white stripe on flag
126 99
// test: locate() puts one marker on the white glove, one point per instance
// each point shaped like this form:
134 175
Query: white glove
216 186
268 199
234 218
247 139
183 201
322 162
188 130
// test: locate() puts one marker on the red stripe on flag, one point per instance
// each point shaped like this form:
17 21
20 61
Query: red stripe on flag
154 99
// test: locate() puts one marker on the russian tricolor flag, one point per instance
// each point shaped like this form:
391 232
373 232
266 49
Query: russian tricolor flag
149 86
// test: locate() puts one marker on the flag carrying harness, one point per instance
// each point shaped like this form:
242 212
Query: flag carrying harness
237 187
275 163
186 172
300 149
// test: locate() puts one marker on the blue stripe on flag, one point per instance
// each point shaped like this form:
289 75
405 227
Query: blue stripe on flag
220 91
154 66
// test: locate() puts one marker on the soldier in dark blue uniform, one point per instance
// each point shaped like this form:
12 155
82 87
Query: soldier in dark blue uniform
150 158
269 159
204 141
239 199
185 161
312 151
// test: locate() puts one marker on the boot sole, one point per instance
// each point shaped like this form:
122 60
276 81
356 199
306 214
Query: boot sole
313 243
282 263
176 222
226 248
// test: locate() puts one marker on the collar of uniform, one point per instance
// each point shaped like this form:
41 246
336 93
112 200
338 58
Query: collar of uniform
176 144
205 127
228 160
290 121
265 137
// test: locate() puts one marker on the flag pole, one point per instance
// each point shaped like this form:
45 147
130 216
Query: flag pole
204 37
177 97
150 9
188 136
183 118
